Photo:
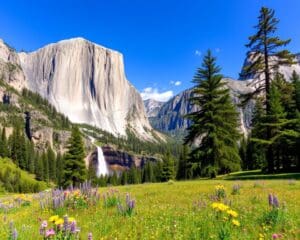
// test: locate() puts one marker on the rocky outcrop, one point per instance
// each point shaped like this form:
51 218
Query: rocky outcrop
87 82
10 69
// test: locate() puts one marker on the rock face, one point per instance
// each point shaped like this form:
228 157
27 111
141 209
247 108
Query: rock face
10 68
170 117
87 83
152 107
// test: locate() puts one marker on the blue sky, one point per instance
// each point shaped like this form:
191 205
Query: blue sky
162 41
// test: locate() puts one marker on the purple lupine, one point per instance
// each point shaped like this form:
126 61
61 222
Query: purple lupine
275 201
90 236
270 200
66 222
15 234
73 227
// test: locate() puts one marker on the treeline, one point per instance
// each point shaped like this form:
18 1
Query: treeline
151 172
284 122
44 164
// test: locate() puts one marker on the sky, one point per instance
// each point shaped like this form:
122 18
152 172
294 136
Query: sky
162 41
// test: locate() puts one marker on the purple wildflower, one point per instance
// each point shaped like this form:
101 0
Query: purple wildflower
275 201
270 200
44 224
90 236
73 227
66 222
14 234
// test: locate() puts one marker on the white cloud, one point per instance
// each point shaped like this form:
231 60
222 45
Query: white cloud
198 53
177 83
153 93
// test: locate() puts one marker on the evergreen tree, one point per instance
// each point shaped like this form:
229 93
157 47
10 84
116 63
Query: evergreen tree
296 94
4 151
148 174
216 123
124 177
74 166
39 167
52 164
182 169
45 166
168 170
264 47
59 169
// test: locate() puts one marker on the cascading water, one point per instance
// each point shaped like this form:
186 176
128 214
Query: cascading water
102 168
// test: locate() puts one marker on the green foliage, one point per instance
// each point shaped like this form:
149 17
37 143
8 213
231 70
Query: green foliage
216 123
263 45
182 169
74 166
13 179
168 168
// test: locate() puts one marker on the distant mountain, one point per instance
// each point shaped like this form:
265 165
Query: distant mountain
84 81
152 107
170 116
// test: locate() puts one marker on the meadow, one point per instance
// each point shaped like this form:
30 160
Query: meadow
200 209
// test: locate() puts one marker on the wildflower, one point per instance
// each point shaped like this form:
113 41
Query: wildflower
14 234
59 221
44 224
73 228
219 206
270 199
53 218
276 236
236 222
232 213
50 233
71 219
90 236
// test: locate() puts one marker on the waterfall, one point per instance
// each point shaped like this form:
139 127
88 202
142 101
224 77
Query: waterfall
102 168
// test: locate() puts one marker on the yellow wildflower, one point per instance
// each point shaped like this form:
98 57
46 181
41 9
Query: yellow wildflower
236 222
71 219
219 206
232 213
53 218
59 221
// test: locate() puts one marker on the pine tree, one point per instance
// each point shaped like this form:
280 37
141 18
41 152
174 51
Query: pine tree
265 60
182 169
74 166
45 166
216 123
4 151
255 152
168 169
59 169
296 84
52 163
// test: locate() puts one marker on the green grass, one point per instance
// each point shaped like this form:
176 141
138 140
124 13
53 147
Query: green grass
258 175
167 211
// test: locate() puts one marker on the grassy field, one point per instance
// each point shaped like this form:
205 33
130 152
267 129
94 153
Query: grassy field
177 210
